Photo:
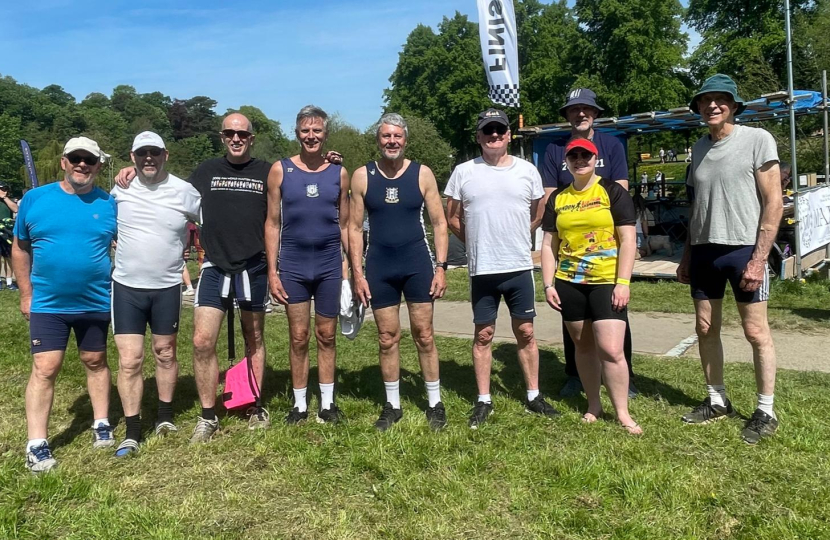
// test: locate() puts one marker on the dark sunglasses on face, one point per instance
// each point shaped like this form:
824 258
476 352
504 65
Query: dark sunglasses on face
229 134
491 128
74 159
580 155
142 152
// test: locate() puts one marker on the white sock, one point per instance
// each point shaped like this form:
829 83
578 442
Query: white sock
433 392
326 395
100 422
717 394
299 399
485 398
190 287
765 404
531 394
8 281
393 393
34 443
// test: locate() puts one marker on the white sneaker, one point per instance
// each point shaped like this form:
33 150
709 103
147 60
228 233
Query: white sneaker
39 459
189 292
102 436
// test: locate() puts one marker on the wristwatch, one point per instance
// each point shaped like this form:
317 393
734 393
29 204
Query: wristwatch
442 265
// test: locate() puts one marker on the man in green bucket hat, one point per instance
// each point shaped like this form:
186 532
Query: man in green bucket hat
736 209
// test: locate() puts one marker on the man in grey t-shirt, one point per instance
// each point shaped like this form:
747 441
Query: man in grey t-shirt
736 209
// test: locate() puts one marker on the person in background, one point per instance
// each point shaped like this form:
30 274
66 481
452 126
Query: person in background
8 209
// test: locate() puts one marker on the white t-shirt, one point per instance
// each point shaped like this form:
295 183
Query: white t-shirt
152 229
496 202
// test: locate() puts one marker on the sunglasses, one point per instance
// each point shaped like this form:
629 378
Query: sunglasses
580 155
494 128
142 152
229 134
74 159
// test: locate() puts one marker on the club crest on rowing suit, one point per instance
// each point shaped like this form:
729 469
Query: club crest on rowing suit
312 191
392 195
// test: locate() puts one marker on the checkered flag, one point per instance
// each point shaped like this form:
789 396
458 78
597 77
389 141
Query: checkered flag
505 94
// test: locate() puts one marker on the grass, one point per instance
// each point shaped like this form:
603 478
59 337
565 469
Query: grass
517 477
793 305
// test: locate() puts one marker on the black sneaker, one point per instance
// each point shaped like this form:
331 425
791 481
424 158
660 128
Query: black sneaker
481 411
706 412
388 416
759 426
331 415
539 406
437 417
296 417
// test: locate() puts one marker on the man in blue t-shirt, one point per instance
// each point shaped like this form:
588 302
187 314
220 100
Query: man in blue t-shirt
581 109
61 257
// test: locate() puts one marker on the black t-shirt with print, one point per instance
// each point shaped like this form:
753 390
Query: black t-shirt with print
234 204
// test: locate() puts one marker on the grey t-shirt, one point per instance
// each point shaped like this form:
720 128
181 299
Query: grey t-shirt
727 205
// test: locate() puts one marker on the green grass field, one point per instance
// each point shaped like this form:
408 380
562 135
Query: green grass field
516 477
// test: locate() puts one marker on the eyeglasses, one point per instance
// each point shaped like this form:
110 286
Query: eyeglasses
230 133
489 129
74 159
580 155
142 152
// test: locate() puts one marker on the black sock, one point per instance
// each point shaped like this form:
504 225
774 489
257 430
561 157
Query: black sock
133 427
165 413
208 413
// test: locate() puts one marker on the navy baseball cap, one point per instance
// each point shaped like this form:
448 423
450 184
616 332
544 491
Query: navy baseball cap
580 96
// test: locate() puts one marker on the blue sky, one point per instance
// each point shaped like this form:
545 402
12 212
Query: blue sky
278 56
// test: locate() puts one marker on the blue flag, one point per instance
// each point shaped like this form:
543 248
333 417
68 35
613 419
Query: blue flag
30 163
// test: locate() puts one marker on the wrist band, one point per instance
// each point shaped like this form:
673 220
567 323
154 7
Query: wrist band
548 287
622 281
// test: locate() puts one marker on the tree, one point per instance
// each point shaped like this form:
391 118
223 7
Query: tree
271 143
10 155
186 154
57 95
356 148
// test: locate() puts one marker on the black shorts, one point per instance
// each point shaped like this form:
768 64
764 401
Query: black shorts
587 301
50 331
406 270
217 289
712 265
517 288
133 309
5 249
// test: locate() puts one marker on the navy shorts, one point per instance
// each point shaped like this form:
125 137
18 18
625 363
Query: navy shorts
315 272
217 289
517 288
392 271
133 309
712 265
50 331
587 301
326 293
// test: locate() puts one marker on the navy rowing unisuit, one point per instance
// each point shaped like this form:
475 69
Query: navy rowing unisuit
310 259
398 259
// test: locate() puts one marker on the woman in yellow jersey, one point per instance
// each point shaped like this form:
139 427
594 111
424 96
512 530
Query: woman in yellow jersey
589 248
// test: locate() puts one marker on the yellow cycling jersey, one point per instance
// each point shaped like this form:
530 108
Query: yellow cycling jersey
585 222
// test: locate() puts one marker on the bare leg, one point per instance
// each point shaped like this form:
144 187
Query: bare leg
709 319
527 351
253 328
420 320
98 381
325 330
609 336
130 378
587 363
483 355
757 332
206 324
299 320
389 337
40 392
167 366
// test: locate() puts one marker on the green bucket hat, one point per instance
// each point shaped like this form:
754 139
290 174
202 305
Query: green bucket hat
719 83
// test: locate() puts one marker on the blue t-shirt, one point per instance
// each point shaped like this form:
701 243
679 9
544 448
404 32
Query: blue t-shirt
71 237
611 162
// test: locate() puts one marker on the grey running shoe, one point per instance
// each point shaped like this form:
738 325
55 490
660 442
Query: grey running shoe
437 417
296 417
332 415
164 428
538 405
632 391
259 418
706 412
481 412
126 448
388 416
572 388
760 425
204 430
102 437
39 459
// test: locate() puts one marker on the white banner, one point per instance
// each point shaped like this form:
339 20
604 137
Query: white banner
499 46
813 216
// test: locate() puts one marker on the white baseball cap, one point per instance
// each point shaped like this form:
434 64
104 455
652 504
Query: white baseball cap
82 143
148 138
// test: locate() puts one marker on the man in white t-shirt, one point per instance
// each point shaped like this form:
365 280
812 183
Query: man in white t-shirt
146 289
493 206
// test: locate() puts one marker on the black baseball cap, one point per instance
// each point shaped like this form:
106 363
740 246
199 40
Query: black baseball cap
492 116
